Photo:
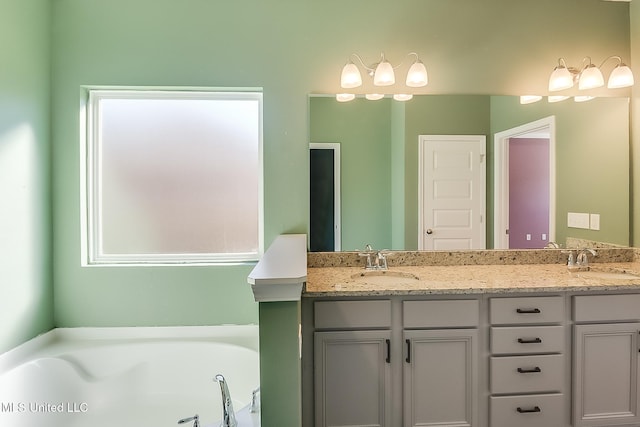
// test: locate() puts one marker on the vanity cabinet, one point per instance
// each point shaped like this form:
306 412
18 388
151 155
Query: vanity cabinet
352 363
606 349
527 363
361 367
353 378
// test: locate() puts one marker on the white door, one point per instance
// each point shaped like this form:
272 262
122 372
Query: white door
452 174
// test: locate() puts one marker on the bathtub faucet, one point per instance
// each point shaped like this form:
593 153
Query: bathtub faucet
228 416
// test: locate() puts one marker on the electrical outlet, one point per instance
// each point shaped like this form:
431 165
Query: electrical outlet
528 236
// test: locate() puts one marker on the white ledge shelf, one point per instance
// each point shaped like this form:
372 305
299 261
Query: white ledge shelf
282 271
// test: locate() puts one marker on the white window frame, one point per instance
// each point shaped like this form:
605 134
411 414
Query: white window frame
91 232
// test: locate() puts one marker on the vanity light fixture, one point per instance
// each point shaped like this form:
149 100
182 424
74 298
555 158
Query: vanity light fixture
374 96
402 97
345 97
590 76
382 72
529 99
557 98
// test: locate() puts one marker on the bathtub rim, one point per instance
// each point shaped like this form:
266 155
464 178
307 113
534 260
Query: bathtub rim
241 335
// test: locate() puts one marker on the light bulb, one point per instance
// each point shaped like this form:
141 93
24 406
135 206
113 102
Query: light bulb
621 76
384 75
560 79
529 99
350 77
417 75
374 96
402 97
345 97
590 78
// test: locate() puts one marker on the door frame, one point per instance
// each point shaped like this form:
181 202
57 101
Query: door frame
337 231
501 177
422 140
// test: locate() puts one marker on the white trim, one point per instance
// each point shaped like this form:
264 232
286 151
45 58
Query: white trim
90 165
337 214
501 178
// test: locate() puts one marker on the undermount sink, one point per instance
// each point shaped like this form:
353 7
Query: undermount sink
383 277
607 275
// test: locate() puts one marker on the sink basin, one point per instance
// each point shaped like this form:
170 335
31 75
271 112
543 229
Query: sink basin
385 277
607 275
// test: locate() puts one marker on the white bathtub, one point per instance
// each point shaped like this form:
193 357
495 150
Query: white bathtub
128 377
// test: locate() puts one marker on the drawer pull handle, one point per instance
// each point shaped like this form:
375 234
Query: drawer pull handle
530 341
388 360
529 371
528 310
526 411
408 359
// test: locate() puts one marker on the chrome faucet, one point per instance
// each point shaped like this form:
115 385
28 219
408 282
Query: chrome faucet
195 419
376 260
228 416
583 258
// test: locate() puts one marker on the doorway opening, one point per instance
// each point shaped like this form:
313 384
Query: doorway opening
525 207
324 194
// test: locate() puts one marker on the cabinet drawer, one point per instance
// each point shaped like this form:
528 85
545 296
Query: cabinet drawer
526 310
440 313
352 314
527 374
542 410
527 339
596 308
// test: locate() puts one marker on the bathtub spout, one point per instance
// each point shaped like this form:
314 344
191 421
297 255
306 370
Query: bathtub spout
255 401
228 416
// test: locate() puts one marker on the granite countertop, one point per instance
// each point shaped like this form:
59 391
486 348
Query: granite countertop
466 279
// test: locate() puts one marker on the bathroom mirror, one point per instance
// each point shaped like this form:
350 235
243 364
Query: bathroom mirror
377 163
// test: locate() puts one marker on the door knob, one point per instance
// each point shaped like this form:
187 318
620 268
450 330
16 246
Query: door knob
429 231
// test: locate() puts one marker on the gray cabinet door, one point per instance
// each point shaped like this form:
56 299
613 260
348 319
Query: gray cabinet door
440 378
606 375
352 378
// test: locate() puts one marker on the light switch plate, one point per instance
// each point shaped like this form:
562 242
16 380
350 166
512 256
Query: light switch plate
595 221
578 220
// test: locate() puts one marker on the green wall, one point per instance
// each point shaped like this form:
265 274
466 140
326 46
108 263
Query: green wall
290 48
592 160
635 129
363 129
26 305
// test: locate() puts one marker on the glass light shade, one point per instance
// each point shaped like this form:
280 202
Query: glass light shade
560 79
374 96
350 77
417 75
557 98
345 97
402 97
583 98
384 75
621 76
590 78
529 99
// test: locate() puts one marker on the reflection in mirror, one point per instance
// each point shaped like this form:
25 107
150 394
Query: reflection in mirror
379 161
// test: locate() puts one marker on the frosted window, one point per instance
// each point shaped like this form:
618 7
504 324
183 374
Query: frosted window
173 176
